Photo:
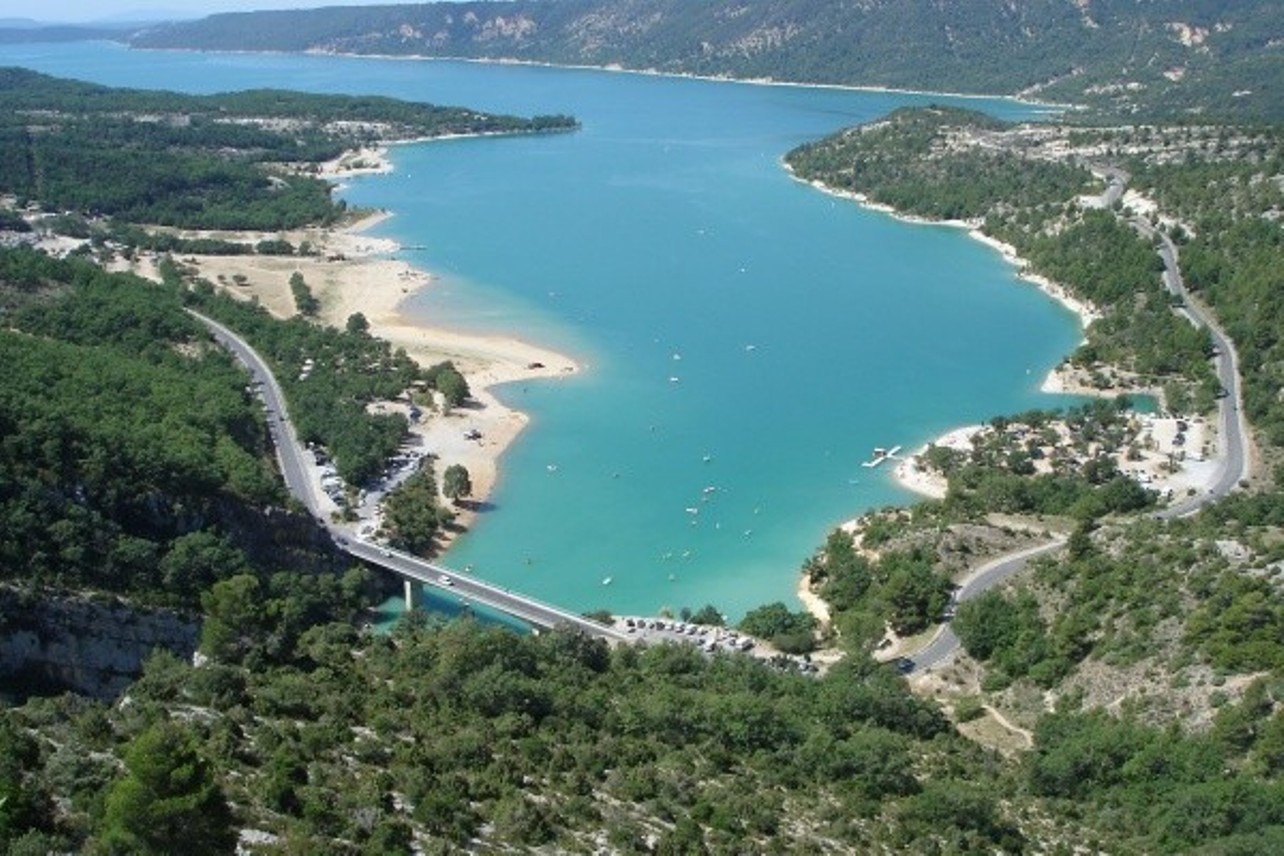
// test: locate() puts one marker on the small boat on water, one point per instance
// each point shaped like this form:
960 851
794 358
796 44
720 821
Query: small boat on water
606 581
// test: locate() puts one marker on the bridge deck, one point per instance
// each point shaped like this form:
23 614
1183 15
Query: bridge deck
296 469
443 579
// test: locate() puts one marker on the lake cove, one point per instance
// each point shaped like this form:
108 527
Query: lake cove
746 341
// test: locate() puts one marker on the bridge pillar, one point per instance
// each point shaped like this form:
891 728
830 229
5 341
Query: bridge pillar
410 594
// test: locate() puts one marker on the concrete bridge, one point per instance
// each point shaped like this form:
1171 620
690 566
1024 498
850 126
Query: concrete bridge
295 466
527 609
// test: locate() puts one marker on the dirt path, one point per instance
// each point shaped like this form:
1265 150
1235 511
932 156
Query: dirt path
1024 733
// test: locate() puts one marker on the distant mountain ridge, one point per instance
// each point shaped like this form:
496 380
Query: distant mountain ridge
1125 56
12 31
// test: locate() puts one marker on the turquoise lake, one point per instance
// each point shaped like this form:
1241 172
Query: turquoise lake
665 240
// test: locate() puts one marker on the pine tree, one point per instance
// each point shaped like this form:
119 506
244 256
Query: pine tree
168 801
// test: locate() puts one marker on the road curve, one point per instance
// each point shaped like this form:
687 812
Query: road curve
1233 432
294 468
945 644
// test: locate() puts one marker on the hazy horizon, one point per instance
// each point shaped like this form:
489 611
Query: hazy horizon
90 11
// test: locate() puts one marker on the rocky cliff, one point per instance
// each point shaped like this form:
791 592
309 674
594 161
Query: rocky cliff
91 645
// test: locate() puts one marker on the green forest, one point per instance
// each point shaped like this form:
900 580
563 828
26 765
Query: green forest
1143 663
131 451
1121 57
229 161
1194 604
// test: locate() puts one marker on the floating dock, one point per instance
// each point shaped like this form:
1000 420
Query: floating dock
880 455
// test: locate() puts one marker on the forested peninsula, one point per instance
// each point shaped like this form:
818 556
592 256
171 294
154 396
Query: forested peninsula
1123 693
236 161
1131 622
138 462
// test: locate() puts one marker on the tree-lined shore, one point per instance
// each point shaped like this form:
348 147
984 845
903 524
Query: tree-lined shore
1142 666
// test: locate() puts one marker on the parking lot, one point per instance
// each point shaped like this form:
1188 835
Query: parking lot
709 639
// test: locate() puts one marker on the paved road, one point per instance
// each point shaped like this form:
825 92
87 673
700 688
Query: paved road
471 589
295 469
289 452
945 644
1234 461
1116 183
1233 435
1235 455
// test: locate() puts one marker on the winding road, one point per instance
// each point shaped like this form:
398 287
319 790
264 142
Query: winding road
1233 467
943 646
1234 453
295 468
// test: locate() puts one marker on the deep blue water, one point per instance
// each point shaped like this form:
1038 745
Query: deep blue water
665 240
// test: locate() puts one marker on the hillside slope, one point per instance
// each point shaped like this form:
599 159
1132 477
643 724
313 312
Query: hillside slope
1168 55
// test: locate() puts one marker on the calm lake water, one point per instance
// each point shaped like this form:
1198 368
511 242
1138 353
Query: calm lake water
748 340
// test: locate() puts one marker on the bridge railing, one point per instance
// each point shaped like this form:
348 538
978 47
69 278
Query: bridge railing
520 606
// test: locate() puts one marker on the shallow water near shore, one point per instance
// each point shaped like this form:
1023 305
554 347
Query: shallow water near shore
747 339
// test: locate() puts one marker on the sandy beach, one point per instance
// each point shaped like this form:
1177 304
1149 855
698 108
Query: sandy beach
910 475
1188 441
349 274
812 602
368 160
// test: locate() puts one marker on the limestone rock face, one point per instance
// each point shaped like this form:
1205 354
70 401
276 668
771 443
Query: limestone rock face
94 646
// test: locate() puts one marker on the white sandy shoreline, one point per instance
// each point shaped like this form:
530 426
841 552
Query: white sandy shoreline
350 273
908 473
1086 312
1050 106
486 361
924 482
